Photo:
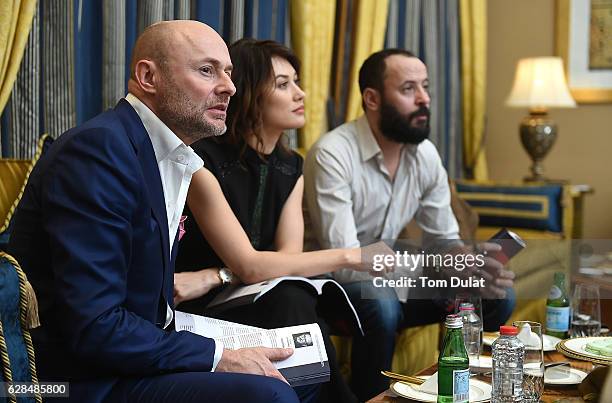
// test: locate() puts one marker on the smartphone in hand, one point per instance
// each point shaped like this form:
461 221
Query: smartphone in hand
511 244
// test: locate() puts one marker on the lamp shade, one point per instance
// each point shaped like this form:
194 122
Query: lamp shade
540 83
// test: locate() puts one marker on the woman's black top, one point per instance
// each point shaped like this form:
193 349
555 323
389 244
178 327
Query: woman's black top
256 189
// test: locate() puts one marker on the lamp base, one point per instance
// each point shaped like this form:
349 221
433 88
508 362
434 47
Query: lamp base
538 134
537 172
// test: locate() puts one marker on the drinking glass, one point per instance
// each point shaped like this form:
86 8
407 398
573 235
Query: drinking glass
473 299
476 301
586 314
530 334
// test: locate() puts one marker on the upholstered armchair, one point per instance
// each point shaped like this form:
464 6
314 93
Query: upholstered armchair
14 174
545 216
18 314
18 306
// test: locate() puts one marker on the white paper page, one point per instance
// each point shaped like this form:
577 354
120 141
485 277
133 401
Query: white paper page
210 327
306 341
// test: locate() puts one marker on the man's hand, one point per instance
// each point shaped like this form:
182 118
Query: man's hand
193 284
256 360
497 278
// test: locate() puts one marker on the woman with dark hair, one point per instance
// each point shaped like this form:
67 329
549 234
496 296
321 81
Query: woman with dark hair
262 182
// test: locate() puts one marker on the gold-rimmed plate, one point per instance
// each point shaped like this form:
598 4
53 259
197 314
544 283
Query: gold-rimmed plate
576 348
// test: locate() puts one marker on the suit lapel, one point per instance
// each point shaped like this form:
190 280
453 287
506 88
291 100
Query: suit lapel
150 170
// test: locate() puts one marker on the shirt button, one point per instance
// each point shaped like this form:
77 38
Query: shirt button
180 158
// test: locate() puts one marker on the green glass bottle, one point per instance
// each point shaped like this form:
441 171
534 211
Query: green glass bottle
558 309
453 364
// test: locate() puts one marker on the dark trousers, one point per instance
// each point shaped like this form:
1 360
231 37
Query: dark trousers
384 315
210 387
291 304
184 387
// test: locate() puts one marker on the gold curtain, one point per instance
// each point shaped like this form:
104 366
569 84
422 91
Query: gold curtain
15 23
369 29
473 21
312 36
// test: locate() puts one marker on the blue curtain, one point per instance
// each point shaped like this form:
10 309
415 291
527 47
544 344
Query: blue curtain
430 29
83 66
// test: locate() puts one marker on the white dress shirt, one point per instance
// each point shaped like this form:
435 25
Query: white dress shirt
351 200
177 163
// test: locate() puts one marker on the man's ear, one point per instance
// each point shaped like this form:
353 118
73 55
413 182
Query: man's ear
371 99
146 76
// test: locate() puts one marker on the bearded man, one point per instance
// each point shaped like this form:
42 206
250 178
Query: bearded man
365 181
97 230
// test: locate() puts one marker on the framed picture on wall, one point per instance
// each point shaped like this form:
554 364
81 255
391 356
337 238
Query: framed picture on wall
584 41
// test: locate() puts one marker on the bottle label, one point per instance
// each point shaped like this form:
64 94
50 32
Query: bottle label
461 386
555 292
557 318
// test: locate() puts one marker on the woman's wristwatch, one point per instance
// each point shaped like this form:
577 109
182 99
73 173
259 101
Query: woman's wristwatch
225 275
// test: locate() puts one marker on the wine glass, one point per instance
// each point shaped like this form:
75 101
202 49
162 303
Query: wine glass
586 313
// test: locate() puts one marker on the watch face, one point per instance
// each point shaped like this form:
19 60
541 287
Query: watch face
226 275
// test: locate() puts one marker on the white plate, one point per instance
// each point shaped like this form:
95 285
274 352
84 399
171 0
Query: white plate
549 341
563 376
479 391
578 346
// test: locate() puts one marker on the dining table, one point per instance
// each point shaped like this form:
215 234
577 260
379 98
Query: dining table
552 393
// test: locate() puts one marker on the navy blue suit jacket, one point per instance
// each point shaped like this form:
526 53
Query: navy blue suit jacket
91 233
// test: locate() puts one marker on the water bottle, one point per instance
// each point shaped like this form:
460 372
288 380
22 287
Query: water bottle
472 331
508 356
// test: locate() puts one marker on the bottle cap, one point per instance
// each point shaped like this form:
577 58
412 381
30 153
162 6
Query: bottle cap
466 306
454 322
508 330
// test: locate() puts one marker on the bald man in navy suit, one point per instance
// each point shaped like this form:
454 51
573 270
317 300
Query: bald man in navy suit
96 233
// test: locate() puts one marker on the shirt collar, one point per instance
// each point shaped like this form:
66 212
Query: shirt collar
163 139
368 146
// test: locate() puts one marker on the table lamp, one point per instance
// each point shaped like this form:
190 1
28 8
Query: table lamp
539 84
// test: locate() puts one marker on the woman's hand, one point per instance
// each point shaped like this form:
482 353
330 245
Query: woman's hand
375 259
193 284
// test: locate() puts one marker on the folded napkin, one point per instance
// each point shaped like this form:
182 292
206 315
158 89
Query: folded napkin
430 385
530 339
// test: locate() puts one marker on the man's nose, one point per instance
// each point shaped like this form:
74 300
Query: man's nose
226 86
423 97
